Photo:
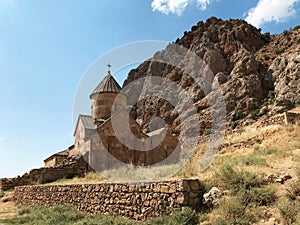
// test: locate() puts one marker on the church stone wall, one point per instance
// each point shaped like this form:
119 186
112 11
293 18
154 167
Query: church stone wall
133 200
106 104
160 152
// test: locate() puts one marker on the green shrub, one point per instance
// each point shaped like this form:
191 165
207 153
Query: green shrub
279 50
296 27
257 140
266 37
266 56
255 114
2 194
238 180
185 216
208 131
254 105
258 197
234 213
271 95
298 102
298 42
234 124
238 114
290 211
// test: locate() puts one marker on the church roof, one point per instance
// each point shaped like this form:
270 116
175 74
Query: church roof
87 122
61 153
108 84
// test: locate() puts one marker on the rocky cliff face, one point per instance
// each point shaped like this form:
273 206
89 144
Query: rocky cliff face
257 73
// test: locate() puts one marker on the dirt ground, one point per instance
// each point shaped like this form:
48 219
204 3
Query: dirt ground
7 209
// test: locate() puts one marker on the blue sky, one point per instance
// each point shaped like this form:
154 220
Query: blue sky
46 47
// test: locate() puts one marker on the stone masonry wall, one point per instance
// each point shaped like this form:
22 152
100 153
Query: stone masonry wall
291 117
133 200
45 175
275 120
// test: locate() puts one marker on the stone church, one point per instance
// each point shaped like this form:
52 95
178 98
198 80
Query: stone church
103 140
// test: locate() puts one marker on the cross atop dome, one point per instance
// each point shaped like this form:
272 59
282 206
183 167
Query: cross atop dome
108 84
109 66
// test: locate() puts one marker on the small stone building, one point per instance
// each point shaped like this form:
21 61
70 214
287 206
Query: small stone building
103 140
56 159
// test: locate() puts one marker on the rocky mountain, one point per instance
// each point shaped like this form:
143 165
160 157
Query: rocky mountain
257 73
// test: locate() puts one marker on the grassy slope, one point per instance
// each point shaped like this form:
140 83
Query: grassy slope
252 154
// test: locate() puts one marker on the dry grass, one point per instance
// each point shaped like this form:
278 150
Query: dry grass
273 145
273 148
91 177
8 209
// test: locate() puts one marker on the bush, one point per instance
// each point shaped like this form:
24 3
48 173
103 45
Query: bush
258 197
2 194
247 194
296 27
290 211
255 114
254 105
238 114
271 95
266 56
278 50
238 180
208 131
185 216
233 212
234 124
266 37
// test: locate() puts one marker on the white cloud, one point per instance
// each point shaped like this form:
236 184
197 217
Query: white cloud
177 6
1 139
170 6
202 4
271 10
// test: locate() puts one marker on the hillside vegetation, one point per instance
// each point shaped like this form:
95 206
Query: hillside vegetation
241 170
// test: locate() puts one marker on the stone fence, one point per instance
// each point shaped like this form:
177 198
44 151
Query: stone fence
275 120
291 117
133 200
45 175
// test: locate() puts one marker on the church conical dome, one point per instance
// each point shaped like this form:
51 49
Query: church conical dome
106 99
108 84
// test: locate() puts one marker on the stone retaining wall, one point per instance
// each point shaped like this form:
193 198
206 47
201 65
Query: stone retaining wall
45 175
133 200
275 120
291 117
